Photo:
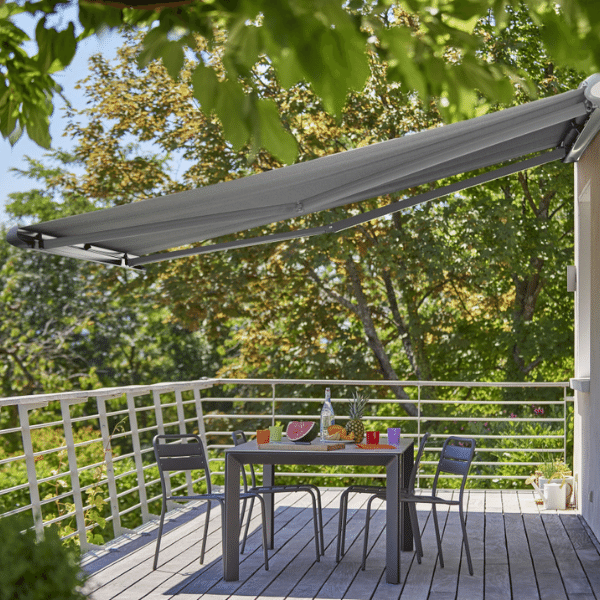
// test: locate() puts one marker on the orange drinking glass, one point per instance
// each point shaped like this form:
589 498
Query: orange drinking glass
263 436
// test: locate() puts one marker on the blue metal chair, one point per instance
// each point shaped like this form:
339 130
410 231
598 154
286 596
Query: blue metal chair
185 452
456 458
239 437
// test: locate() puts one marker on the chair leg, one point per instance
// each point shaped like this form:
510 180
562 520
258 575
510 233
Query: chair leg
414 524
208 505
316 525
437 536
264 530
243 513
320 513
342 525
250 509
363 566
160 530
465 539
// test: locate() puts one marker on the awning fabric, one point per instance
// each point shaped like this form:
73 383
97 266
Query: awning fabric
139 233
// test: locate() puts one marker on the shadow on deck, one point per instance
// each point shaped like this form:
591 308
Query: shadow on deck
519 551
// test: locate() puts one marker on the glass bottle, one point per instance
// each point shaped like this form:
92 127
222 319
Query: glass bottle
327 415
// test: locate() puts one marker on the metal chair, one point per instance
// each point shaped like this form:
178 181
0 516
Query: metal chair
239 437
186 453
456 457
378 491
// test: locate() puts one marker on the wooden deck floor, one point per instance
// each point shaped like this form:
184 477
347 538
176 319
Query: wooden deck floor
518 550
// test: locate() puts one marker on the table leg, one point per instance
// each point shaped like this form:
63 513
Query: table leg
269 479
231 531
394 519
408 460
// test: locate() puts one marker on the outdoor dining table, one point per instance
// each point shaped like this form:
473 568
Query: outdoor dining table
397 461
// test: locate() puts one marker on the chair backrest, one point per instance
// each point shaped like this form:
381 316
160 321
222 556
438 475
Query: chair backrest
180 452
455 459
239 437
415 469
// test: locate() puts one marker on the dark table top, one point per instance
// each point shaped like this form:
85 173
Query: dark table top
350 455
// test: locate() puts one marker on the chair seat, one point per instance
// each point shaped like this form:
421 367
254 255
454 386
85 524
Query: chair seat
405 496
276 489
428 499
218 497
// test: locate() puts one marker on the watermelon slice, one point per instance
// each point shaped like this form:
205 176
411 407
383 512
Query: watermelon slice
302 431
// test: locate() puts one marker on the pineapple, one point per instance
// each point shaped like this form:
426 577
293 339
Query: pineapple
357 408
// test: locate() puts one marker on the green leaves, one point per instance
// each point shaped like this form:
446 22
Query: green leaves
281 143
226 99
322 43
56 48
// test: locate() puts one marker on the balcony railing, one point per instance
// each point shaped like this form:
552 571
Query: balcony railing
92 471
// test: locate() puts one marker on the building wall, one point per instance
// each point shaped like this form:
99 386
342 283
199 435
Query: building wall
587 334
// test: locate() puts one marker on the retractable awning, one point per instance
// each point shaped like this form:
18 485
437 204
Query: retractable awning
555 128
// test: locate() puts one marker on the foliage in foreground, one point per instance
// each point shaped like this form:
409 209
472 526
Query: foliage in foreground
37 570
324 44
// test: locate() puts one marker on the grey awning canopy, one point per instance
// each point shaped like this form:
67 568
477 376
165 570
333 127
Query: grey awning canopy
555 128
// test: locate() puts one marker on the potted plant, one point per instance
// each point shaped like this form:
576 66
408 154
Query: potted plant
549 471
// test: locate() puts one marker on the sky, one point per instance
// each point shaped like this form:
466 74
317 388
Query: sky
11 157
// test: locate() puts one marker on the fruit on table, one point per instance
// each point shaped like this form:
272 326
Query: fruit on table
356 411
302 431
338 432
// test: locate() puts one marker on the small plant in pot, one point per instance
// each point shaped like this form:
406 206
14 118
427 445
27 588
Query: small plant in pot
550 471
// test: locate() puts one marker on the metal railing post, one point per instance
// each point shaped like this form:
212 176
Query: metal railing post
34 490
65 406
110 469
182 429
200 415
137 455
418 430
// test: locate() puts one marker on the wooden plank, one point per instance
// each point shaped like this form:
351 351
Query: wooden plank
573 575
546 570
586 550
298 538
343 575
497 575
472 586
292 574
538 550
418 577
365 582
445 581
180 549
522 574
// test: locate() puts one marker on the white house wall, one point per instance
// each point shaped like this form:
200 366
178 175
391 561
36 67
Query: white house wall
587 334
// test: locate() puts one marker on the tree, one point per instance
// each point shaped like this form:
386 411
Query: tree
68 324
322 43
463 289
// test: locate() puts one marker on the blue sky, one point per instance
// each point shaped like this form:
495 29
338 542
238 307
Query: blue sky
14 157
